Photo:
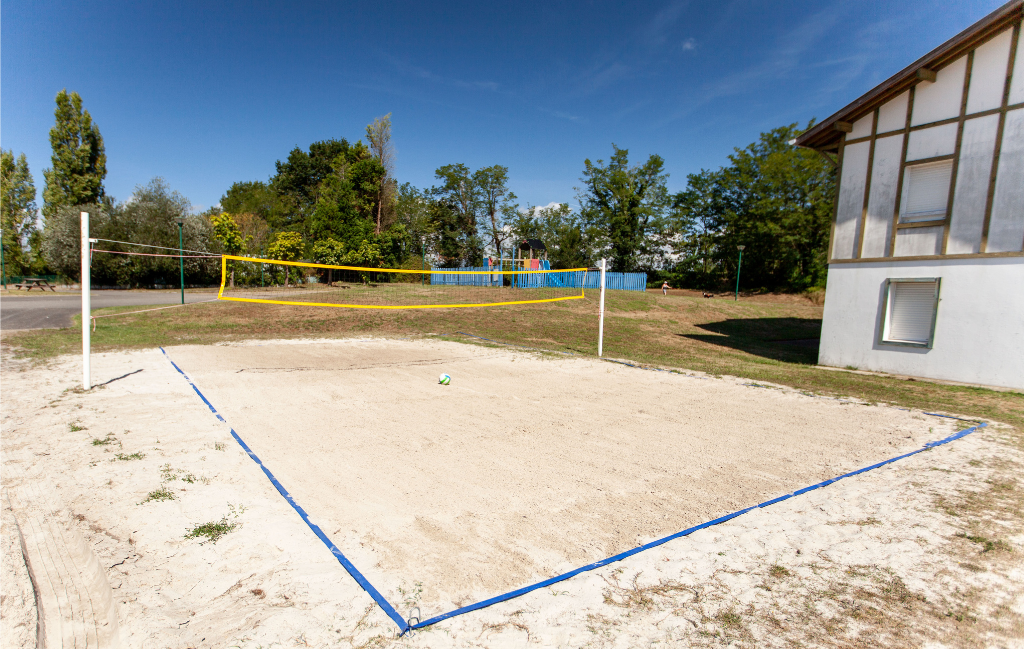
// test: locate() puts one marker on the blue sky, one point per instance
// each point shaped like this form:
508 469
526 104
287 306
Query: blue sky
205 94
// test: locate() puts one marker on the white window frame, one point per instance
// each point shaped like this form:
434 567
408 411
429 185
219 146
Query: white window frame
923 217
883 329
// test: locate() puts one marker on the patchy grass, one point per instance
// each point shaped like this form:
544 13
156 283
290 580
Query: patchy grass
633 596
75 426
160 494
768 339
109 439
212 531
127 457
987 545
779 572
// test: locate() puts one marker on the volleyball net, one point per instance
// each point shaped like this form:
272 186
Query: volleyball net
272 281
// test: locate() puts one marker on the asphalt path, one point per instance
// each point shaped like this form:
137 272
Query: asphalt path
55 310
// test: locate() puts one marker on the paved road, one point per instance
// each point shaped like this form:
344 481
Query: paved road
55 310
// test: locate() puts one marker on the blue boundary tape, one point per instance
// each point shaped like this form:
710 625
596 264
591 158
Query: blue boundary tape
342 559
405 626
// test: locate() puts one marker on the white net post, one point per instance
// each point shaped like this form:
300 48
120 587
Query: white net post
600 324
86 302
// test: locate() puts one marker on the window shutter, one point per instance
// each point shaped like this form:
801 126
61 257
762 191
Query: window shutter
927 191
911 311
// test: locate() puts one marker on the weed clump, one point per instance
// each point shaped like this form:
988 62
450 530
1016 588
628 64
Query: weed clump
160 494
130 456
211 531
778 572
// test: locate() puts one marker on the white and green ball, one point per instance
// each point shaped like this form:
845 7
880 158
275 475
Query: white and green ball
444 379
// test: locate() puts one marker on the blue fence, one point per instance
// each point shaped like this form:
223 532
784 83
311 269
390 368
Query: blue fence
565 279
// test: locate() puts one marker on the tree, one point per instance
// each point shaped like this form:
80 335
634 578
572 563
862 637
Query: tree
773 198
286 246
564 234
627 204
255 233
378 135
497 206
412 211
79 160
17 211
299 178
257 198
695 226
148 217
226 231
454 215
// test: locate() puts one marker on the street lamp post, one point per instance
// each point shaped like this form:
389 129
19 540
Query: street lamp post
181 260
738 267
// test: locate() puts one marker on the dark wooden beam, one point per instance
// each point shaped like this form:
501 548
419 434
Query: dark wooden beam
924 74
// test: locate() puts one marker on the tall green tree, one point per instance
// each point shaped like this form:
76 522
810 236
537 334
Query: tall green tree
299 178
378 134
454 214
773 198
79 159
627 204
227 232
696 223
496 203
17 211
257 198
286 246
412 211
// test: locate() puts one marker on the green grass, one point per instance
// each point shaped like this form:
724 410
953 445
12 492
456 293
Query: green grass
160 494
753 338
130 456
211 531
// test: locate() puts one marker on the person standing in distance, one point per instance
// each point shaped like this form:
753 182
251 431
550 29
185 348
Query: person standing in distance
665 287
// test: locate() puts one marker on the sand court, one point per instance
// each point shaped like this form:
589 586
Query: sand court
526 465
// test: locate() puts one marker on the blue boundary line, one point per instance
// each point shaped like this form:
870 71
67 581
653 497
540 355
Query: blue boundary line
342 559
405 626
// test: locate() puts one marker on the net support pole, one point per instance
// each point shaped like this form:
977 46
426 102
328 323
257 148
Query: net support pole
86 302
600 322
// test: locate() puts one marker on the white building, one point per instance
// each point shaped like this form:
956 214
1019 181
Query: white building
926 269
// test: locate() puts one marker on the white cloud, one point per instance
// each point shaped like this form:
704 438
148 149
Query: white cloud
689 44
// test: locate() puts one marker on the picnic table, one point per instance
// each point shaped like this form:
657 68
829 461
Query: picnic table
35 282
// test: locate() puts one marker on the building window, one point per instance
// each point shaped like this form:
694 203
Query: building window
909 312
926 191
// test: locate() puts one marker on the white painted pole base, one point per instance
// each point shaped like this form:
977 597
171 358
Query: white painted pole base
86 302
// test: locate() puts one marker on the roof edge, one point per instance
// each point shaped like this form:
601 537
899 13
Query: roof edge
824 136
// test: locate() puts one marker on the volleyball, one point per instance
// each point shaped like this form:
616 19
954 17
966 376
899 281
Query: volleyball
444 379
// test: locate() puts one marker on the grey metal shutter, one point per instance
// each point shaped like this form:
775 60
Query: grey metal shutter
928 191
911 311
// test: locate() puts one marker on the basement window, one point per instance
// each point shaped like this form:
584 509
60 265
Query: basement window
926 191
908 316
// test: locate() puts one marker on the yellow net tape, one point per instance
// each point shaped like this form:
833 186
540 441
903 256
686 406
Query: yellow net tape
299 283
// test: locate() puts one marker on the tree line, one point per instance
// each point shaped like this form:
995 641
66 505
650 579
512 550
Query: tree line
339 202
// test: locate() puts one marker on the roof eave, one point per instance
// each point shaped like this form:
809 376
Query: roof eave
824 136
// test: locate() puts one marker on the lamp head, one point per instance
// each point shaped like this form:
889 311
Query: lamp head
180 220
740 248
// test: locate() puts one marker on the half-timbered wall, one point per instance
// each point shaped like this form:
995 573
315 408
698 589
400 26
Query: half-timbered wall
967 125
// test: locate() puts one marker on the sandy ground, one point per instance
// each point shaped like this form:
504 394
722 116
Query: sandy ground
524 467
460 533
